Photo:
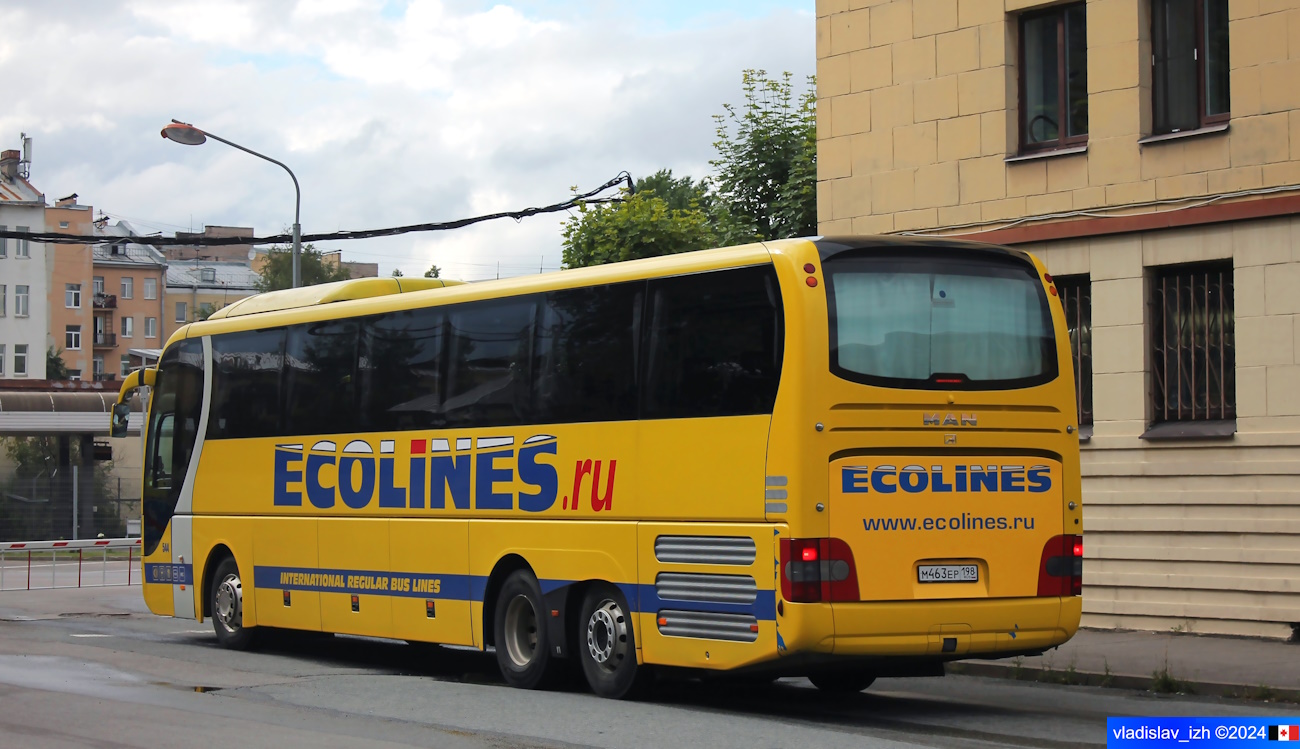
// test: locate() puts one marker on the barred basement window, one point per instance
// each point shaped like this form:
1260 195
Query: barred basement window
1194 361
1076 299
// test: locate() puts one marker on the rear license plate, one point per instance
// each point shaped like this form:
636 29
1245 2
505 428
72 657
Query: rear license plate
948 573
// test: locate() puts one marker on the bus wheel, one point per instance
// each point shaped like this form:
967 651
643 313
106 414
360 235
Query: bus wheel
607 645
227 606
842 683
523 651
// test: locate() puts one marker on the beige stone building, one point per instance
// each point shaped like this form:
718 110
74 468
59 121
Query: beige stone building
1149 152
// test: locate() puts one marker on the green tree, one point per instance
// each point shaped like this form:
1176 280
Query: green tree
55 368
278 271
767 159
643 225
397 272
433 272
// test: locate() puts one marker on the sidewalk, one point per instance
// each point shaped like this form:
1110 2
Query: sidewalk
1160 661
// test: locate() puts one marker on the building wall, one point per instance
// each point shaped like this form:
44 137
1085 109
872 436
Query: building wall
917 112
71 263
32 272
195 297
917 121
138 307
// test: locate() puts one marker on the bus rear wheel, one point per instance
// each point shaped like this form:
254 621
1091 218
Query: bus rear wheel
522 645
607 645
842 683
227 607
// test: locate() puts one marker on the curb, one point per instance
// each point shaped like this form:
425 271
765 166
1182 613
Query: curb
1167 685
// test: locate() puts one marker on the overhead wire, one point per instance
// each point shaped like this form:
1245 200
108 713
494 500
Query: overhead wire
589 197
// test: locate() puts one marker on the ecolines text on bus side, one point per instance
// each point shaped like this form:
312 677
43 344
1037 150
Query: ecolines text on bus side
358 476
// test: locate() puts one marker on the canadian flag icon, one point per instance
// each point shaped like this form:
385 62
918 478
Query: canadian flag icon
1284 733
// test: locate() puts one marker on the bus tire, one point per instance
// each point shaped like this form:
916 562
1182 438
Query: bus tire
227 607
523 649
844 682
607 645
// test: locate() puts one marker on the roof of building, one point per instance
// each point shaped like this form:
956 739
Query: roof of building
225 274
118 249
19 190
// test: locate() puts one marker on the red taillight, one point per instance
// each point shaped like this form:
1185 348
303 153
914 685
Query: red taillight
811 281
1060 571
809 268
1047 277
817 569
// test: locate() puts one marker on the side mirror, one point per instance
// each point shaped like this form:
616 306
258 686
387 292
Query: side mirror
121 413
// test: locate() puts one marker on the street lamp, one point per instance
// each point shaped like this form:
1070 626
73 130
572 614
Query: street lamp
188 135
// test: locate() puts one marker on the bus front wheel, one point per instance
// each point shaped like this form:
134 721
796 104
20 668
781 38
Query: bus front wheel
607 645
523 648
227 607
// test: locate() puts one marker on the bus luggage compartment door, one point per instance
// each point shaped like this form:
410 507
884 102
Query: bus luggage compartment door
959 527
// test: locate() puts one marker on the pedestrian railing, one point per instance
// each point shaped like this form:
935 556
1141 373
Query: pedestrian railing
92 562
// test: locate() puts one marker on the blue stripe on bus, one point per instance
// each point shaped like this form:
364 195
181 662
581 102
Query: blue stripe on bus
474 588
363 582
169 574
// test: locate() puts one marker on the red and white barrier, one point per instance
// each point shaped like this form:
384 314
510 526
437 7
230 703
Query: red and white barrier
19 570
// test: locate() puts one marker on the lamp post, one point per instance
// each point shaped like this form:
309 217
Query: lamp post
189 135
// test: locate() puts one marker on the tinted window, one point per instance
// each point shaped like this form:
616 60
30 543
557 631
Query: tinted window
400 371
319 360
584 366
246 384
488 378
714 344
174 411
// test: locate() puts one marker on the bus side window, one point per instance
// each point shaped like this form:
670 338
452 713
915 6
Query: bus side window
399 366
489 378
319 372
246 384
714 344
584 364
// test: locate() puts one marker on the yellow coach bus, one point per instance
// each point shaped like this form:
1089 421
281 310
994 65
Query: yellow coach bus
835 457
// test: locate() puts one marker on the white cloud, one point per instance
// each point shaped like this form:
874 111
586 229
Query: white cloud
428 112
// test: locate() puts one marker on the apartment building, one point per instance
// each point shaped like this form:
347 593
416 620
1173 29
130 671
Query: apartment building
73 304
1149 152
128 285
24 276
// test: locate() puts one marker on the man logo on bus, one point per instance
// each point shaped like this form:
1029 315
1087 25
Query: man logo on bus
888 479
441 471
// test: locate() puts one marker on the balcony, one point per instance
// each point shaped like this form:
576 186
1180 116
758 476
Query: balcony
105 301
106 340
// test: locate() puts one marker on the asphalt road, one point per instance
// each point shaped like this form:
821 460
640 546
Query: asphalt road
92 668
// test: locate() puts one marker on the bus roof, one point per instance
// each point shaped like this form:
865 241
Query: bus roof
370 296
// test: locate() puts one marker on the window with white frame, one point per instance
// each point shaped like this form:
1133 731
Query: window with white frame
4 303
128 326
2 359
97 366
126 366
151 327
72 295
72 338
74 374
128 287
20 360
21 300
181 310
24 249
4 242
99 285
151 288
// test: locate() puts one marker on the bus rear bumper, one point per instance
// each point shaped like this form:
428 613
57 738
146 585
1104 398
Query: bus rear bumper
992 628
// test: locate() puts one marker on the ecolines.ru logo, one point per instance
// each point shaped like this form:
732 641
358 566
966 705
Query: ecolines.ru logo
885 479
357 476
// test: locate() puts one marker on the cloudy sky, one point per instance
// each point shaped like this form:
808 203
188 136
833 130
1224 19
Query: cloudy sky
389 112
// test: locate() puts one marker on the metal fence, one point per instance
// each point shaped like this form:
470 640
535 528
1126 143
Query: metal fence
33 565
70 504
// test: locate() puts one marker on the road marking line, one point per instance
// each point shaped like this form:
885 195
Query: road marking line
92 635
